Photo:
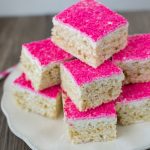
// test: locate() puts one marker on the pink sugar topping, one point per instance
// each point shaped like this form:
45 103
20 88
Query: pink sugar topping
46 52
51 92
105 110
138 48
82 73
135 92
91 18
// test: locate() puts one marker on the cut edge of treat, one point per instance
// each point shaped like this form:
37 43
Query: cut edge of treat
133 112
93 42
77 95
83 35
94 54
135 71
22 96
41 76
80 127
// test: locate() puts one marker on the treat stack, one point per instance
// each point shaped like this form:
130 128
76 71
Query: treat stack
87 89
92 33
91 85
98 124
133 105
38 89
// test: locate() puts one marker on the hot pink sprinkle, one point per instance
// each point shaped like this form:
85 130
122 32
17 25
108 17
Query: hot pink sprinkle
135 92
138 48
51 92
92 19
82 73
46 52
105 110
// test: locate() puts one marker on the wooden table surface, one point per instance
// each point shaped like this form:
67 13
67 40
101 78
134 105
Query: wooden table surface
15 31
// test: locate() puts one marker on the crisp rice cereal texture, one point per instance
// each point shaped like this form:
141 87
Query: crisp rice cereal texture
40 61
44 103
40 79
88 129
92 93
135 71
91 42
135 59
133 105
130 113
100 132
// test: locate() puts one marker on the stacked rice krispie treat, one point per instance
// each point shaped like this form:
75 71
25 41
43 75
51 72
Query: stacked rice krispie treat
89 87
97 124
46 102
40 60
92 33
38 88
135 59
133 105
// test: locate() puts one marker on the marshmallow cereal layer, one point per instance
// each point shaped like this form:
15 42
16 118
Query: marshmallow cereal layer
46 102
135 59
90 31
133 105
93 125
89 87
40 60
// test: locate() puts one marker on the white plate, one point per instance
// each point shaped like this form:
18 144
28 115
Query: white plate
44 134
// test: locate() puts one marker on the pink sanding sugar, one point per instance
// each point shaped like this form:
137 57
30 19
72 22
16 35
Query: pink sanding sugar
46 52
82 73
91 18
51 92
105 110
134 92
138 48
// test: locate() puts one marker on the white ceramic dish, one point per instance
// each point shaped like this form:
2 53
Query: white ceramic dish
44 134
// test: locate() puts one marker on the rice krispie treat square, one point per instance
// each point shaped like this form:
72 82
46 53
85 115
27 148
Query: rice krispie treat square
90 31
89 87
94 125
133 105
40 61
135 59
46 102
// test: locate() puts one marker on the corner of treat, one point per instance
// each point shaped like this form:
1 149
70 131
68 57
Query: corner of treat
54 20
24 48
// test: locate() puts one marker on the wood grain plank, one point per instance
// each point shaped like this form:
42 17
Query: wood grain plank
15 31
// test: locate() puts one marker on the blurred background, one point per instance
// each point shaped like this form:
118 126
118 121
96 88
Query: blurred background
40 7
